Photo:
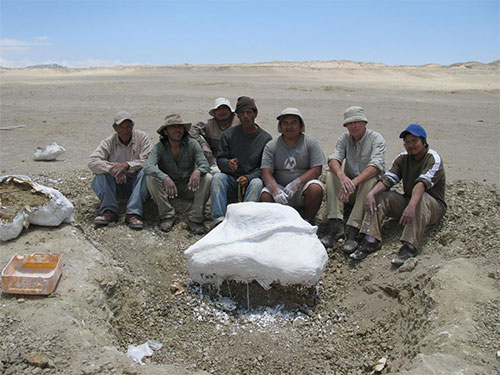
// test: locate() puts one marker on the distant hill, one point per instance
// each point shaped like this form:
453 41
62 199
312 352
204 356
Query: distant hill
46 66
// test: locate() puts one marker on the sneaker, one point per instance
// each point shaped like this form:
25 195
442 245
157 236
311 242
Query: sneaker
365 249
405 252
195 228
352 240
107 217
335 232
133 221
167 224
216 222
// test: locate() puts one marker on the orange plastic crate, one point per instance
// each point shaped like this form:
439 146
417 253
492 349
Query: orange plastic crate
32 274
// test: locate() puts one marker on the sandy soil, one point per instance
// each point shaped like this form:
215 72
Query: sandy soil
438 315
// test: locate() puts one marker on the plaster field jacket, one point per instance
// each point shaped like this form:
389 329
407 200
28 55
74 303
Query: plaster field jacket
112 150
429 170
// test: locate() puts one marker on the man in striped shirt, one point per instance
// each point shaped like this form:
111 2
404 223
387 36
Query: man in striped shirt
422 203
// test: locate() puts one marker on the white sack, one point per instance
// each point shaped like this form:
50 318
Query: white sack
48 153
11 230
266 242
57 210
137 353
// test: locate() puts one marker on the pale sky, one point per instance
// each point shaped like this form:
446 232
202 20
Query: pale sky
78 33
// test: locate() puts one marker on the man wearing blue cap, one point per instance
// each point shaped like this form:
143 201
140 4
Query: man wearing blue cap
422 204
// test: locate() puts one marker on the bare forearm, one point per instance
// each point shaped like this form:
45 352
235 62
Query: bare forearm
367 173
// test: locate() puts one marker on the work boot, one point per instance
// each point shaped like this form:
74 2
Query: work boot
351 242
335 232
365 249
167 224
195 228
405 252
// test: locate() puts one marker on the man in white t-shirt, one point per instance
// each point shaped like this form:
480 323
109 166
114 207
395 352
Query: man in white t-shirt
291 166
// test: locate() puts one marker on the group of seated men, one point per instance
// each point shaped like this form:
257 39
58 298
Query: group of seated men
230 158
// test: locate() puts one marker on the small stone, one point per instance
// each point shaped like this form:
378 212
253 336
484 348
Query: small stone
21 300
409 265
37 359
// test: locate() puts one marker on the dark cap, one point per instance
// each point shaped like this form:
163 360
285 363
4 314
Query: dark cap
245 102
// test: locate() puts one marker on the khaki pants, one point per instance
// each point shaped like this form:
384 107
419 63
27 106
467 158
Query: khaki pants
335 208
199 197
392 204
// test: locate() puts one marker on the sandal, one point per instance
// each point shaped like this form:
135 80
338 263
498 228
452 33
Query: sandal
133 221
106 218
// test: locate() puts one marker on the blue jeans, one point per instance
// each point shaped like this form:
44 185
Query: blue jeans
108 191
224 185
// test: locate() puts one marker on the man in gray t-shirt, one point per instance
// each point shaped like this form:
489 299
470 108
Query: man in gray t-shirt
291 165
362 151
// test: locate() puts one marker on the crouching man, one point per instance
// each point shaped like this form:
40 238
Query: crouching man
175 168
117 163
291 165
422 204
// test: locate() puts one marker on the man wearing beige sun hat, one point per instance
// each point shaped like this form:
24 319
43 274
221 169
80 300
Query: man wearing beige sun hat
175 168
362 151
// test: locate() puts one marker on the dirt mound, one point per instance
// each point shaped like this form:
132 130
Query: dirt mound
439 311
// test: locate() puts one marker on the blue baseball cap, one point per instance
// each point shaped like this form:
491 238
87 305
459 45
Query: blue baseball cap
414 129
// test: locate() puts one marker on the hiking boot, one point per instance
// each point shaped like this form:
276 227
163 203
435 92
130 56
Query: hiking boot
365 249
134 221
215 222
335 232
107 217
195 228
351 243
405 252
167 224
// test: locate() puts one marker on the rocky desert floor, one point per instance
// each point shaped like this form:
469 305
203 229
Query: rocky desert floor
437 314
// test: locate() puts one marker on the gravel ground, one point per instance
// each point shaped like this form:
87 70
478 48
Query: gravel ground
359 313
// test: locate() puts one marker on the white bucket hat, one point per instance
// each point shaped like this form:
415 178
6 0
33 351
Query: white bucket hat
291 111
354 114
217 103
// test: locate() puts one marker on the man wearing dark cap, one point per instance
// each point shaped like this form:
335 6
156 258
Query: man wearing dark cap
239 158
117 163
177 168
362 151
422 203
208 133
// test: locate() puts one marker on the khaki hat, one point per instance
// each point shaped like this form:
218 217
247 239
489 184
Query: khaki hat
217 103
122 116
291 111
353 114
173 119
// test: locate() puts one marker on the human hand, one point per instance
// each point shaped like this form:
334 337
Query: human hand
118 168
170 187
207 152
280 197
408 215
347 184
292 188
194 180
233 164
370 204
242 181
121 178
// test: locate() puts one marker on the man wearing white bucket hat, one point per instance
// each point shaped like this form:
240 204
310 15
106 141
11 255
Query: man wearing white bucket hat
117 163
291 166
363 151
208 133
175 168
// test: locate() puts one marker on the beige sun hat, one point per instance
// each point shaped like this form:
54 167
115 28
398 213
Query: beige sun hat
291 111
173 119
217 103
122 116
353 114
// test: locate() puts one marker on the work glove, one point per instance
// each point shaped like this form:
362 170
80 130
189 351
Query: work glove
292 188
280 197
